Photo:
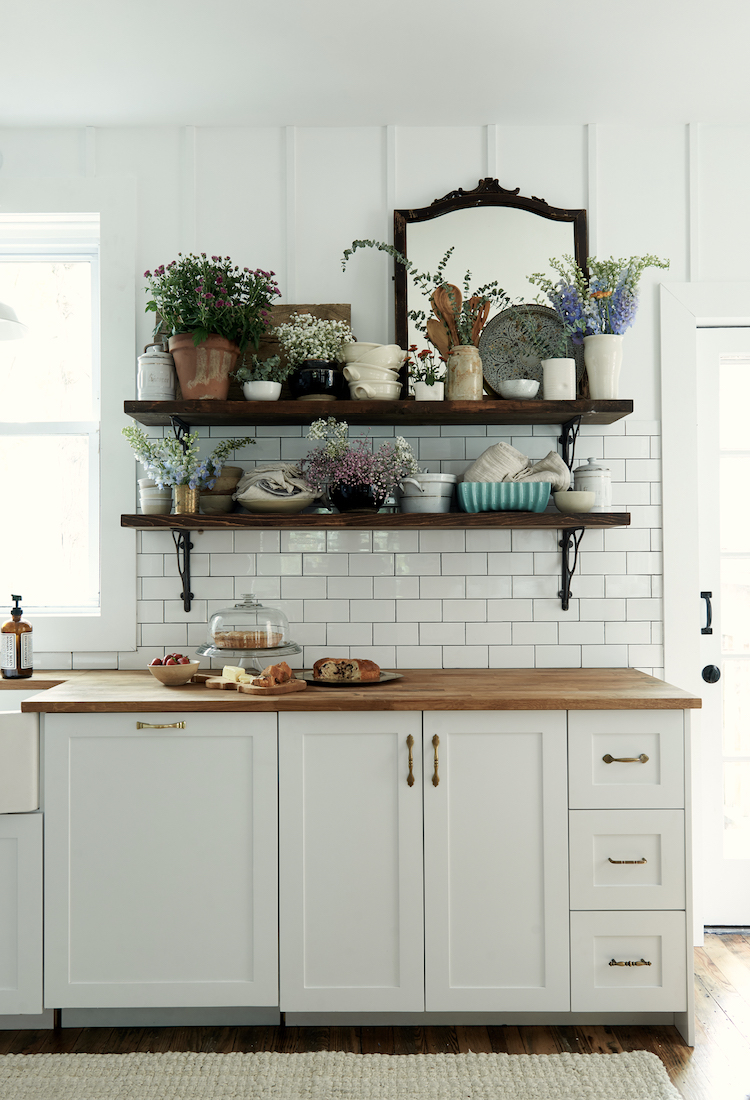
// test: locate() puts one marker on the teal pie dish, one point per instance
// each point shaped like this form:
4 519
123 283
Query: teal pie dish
503 496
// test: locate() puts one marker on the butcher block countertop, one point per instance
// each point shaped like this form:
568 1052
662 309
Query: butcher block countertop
418 689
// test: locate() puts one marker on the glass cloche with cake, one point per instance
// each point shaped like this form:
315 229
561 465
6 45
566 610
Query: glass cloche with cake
249 631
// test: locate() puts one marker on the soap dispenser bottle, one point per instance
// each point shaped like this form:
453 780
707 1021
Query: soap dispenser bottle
16 656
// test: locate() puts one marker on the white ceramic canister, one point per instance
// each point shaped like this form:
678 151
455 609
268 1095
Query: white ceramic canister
597 480
156 375
559 379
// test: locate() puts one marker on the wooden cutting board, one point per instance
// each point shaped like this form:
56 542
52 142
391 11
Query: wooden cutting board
218 684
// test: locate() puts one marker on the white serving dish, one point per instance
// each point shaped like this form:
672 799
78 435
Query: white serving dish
353 351
360 372
258 390
374 391
19 762
387 355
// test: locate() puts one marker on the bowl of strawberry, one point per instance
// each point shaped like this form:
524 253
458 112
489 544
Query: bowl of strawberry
174 670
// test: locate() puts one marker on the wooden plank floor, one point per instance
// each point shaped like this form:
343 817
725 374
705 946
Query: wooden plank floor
718 1068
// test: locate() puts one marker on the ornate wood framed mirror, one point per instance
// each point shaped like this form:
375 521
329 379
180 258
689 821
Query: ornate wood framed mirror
496 234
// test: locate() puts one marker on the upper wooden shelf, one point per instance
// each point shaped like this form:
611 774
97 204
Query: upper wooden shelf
377 521
488 411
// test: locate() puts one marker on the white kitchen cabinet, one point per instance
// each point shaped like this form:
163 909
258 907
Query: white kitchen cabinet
161 848
20 914
350 862
496 861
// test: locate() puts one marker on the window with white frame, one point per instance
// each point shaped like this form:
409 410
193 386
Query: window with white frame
50 415
68 473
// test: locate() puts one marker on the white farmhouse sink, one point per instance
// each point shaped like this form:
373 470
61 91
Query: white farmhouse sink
19 762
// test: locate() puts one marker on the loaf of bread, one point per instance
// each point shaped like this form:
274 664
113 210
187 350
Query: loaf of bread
345 668
273 675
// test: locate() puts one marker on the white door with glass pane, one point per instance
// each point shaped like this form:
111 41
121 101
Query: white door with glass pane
724 547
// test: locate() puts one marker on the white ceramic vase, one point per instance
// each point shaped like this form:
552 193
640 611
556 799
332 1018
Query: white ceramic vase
559 379
603 358
423 392
261 391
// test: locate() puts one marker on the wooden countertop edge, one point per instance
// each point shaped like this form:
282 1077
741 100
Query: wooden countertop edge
430 689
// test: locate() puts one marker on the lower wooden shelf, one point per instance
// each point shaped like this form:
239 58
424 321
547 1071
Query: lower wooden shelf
379 521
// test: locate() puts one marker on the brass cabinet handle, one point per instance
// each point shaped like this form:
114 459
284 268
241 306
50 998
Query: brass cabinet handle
644 860
435 776
160 725
642 759
642 962
410 743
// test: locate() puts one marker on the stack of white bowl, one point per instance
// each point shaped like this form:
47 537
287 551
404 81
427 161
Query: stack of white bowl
155 501
372 371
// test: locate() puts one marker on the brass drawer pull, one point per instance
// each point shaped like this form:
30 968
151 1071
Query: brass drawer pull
410 743
642 962
642 759
435 776
644 860
160 725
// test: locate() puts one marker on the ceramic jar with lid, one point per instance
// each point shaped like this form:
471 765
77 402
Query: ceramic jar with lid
156 375
596 479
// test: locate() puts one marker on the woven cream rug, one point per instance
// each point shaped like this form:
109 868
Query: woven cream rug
328 1075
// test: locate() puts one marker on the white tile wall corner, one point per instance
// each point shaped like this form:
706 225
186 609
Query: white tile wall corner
432 599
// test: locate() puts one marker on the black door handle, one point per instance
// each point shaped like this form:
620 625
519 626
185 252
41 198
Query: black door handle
711 674
709 615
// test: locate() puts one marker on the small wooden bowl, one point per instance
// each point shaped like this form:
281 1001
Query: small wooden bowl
174 675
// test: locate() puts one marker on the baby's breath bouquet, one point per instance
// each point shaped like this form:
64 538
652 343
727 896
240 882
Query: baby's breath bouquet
341 462
168 463
307 337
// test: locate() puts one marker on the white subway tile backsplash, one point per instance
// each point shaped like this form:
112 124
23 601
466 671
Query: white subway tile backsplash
442 588
465 656
511 656
258 542
534 634
486 588
443 542
393 588
456 598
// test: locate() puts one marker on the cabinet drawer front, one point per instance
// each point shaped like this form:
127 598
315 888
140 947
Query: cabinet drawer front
599 941
626 759
627 859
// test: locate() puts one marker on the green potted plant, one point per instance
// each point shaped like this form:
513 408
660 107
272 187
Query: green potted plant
314 348
212 311
261 381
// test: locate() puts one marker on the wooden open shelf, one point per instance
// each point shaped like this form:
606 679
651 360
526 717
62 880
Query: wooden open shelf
379 521
397 413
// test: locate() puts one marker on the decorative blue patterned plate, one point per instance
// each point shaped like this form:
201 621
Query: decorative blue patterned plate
503 496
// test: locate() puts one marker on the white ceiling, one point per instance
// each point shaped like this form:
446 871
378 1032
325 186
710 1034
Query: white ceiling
351 62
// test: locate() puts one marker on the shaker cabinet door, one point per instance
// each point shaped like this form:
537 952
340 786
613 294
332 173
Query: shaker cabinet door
161 880
496 861
20 913
350 863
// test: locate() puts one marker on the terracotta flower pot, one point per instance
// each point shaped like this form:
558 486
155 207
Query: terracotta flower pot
203 370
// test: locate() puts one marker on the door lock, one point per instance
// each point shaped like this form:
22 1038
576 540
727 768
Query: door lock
711 673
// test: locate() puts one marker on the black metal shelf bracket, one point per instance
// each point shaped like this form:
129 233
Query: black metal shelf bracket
567 440
180 428
183 546
569 544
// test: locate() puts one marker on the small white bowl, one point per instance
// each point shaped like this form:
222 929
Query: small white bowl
572 501
374 391
353 351
258 390
360 372
388 355
174 675
161 507
518 388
